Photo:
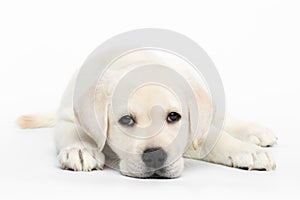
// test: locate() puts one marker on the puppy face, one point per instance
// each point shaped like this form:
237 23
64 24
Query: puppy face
149 133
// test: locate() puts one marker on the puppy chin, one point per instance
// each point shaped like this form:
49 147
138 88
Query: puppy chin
172 171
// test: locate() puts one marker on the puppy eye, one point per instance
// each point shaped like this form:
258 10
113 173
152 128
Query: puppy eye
173 117
127 120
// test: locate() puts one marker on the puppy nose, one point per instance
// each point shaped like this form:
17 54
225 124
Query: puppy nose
154 157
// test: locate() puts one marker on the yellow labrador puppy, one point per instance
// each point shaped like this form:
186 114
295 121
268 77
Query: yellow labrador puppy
128 144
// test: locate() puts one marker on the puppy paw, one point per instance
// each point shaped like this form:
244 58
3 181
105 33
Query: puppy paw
259 135
254 159
81 159
234 152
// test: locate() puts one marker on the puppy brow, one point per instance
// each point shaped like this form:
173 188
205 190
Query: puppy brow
174 109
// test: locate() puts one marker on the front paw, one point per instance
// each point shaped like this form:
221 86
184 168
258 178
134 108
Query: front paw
260 135
251 159
81 159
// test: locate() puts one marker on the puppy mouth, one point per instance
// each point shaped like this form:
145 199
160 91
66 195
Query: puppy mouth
152 175
157 174
161 174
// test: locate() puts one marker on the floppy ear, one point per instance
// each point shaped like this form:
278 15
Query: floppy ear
91 113
199 115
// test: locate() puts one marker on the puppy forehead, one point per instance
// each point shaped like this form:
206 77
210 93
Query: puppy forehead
148 96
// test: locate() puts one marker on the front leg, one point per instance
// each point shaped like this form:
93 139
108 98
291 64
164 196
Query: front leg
76 151
236 153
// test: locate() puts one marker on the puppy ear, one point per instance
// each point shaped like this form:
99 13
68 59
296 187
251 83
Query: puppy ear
200 114
91 112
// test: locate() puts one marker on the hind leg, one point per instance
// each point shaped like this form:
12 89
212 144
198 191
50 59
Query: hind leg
250 132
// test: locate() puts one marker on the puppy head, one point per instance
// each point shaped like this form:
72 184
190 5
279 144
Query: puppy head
150 129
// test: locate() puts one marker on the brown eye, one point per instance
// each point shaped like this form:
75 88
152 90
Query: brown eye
127 120
173 117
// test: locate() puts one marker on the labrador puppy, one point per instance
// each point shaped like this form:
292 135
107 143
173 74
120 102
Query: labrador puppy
140 140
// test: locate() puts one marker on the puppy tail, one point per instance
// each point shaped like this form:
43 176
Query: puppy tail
45 120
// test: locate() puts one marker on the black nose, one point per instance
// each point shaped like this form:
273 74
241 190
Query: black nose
154 157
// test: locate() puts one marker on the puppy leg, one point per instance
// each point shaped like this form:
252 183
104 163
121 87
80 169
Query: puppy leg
235 153
250 132
76 150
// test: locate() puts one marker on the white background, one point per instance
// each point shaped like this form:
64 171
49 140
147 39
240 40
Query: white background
254 44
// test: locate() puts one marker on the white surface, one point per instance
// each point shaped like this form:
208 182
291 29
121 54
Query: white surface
255 46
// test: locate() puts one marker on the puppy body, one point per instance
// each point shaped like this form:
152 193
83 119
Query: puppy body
82 149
